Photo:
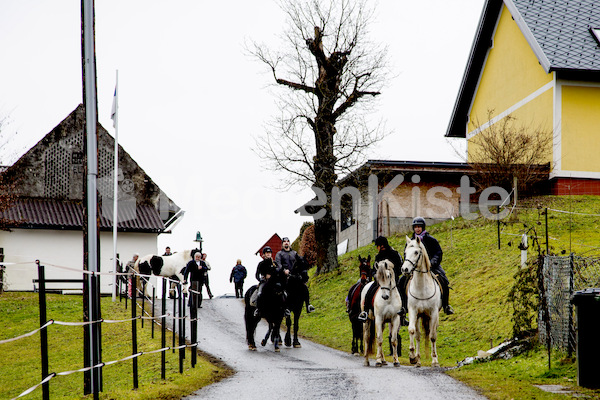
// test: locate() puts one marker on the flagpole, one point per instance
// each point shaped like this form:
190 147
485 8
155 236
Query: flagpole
115 117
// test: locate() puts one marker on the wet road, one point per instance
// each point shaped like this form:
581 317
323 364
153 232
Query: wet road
311 372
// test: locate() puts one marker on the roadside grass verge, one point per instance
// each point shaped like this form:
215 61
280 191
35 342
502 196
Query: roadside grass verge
481 276
20 366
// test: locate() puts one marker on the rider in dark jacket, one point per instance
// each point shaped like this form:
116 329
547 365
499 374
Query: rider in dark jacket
292 263
434 251
264 270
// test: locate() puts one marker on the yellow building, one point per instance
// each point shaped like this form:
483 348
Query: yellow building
539 62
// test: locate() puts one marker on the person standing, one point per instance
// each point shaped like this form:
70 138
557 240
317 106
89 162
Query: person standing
210 295
238 274
172 280
196 269
129 268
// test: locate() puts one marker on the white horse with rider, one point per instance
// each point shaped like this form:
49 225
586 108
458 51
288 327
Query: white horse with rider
386 305
424 299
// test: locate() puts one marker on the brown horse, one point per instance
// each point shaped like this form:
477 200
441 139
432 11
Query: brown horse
353 303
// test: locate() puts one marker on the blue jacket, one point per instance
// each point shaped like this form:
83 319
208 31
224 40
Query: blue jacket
238 274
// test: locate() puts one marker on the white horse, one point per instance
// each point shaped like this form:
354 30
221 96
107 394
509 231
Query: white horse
424 299
168 266
386 305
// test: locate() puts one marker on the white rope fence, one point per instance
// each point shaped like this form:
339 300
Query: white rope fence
66 323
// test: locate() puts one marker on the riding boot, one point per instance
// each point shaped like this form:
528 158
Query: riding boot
448 310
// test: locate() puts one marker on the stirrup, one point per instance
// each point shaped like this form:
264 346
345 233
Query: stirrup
448 310
287 312
256 313
310 308
362 316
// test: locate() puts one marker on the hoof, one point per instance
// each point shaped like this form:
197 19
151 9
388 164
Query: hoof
378 364
384 362
366 364
413 360
264 342
297 345
396 364
435 364
277 350
252 347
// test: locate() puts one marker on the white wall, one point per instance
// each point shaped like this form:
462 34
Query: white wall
64 249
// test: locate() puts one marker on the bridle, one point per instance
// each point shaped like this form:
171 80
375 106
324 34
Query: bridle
427 271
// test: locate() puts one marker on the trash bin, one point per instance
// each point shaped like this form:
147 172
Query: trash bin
587 303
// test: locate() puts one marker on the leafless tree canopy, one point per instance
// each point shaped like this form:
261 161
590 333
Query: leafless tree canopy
329 73
325 67
506 150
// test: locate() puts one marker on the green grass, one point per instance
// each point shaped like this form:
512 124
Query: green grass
481 276
20 367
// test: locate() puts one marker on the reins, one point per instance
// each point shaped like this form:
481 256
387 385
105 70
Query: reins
427 271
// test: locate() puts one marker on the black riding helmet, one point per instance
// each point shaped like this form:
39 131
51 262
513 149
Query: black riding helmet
382 241
419 221
267 248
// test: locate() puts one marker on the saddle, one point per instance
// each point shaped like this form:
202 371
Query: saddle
370 296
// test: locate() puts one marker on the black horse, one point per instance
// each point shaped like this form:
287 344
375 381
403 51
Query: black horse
297 297
353 304
271 307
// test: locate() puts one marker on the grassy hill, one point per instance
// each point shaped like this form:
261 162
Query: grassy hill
482 276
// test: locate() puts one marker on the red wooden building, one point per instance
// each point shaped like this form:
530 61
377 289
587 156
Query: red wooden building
274 243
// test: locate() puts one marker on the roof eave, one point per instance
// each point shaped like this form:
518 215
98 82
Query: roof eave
477 55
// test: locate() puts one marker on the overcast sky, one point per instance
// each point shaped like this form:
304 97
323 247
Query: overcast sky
191 101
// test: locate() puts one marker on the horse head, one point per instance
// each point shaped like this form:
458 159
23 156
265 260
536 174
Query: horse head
414 255
365 268
385 277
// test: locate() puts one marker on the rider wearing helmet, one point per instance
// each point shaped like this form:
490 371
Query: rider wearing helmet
265 269
434 251
291 263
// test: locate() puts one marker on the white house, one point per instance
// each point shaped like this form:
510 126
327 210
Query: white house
46 216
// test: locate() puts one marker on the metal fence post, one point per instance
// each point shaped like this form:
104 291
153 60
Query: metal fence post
43 332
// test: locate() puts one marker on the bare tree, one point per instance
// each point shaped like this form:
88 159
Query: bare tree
329 74
503 151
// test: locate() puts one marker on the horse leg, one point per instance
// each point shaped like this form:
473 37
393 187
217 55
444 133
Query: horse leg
413 332
394 327
379 337
433 338
186 286
296 324
288 335
276 336
367 340
250 327
266 338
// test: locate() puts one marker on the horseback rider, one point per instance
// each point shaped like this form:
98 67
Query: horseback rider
385 252
291 263
265 269
434 251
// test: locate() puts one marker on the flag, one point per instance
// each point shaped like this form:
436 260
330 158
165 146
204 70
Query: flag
113 111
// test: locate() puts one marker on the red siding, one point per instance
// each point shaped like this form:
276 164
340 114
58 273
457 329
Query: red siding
575 186
274 243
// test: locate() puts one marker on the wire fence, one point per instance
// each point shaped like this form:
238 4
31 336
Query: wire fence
128 279
560 278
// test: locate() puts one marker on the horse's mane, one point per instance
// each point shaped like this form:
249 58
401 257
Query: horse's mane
423 250
380 270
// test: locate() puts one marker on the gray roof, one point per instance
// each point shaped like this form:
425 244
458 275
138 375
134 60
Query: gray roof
561 31
558 32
